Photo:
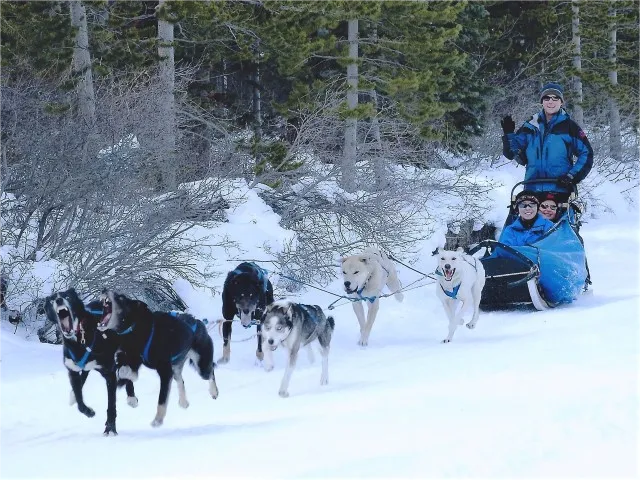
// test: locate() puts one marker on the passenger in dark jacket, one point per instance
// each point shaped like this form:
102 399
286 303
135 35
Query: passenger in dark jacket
547 144
530 226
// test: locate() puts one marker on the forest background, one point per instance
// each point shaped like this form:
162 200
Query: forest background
126 124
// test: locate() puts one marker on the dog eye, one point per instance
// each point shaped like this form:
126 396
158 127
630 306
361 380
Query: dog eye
279 327
356 272
453 258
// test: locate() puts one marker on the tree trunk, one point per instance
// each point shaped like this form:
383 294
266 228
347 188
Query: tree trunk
166 157
82 65
615 141
347 180
378 153
578 112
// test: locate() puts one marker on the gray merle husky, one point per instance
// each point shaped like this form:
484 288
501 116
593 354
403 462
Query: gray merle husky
293 325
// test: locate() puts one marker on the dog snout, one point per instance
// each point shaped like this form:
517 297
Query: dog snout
347 284
245 311
59 302
447 266
270 341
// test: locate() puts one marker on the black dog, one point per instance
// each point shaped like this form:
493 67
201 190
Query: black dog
160 340
247 291
85 349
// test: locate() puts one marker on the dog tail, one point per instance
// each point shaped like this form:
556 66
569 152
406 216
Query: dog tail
331 322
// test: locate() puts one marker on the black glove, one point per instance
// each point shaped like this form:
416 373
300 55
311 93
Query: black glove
565 181
508 125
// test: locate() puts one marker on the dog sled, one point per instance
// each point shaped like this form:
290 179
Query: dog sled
550 272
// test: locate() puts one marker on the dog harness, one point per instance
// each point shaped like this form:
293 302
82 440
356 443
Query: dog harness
362 297
147 347
453 293
85 358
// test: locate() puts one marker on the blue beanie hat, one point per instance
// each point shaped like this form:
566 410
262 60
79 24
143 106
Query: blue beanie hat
552 89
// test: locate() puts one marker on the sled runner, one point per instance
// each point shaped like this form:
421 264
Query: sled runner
550 272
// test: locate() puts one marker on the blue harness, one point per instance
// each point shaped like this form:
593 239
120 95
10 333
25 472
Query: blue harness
147 347
362 297
85 358
453 293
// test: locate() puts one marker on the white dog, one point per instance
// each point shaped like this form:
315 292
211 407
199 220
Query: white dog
364 277
461 280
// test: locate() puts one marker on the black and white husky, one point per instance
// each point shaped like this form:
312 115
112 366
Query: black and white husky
294 325
84 348
161 341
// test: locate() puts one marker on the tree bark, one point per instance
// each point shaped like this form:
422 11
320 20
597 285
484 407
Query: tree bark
81 65
167 127
347 179
578 112
615 141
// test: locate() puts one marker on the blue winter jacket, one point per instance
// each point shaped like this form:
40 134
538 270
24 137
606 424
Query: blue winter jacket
516 235
549 150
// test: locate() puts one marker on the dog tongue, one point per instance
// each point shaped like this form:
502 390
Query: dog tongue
105 319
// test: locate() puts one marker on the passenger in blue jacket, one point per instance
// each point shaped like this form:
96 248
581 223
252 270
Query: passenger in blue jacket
548 143
529 226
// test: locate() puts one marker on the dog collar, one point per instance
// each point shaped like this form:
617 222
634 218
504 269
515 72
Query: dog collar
453 293
439 272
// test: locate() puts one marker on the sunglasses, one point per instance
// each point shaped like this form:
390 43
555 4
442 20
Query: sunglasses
546 206
546 98
527 205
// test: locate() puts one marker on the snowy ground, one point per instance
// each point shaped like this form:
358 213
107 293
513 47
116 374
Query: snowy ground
526 394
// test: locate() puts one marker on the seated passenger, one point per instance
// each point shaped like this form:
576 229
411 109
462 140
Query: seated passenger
549 206
529 226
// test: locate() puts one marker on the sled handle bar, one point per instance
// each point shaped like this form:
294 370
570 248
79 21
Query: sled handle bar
534 271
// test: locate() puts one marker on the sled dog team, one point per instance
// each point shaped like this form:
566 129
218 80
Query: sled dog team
116 335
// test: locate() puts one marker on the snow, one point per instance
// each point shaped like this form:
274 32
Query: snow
525 394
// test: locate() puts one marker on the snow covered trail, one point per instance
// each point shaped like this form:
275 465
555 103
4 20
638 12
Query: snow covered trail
533 394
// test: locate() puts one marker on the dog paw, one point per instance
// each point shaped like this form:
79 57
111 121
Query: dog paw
223 360
258 363
471 326
363 343
126 373
132 402
283 394
156 422
268 367
213 391
461 321
109 429
446 340
324 381
88 411
183 402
